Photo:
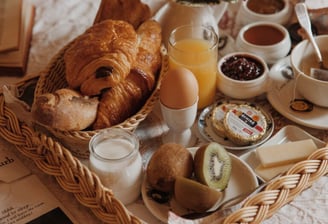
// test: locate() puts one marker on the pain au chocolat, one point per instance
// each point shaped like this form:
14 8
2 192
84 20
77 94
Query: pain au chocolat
101 57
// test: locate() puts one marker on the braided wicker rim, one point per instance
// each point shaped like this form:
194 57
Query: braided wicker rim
53 78
282 190
54 159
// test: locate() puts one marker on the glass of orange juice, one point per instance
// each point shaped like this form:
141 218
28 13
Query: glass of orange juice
195 47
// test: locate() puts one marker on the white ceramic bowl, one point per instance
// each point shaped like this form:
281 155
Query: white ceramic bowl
314 90
269 40
242 89
246 15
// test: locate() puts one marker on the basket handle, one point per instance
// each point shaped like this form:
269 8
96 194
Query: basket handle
54 159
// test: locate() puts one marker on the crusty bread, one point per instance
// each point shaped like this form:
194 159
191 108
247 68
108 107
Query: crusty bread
133 11
65 109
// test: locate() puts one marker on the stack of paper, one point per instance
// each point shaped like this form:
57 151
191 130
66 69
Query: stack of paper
16 24
24 198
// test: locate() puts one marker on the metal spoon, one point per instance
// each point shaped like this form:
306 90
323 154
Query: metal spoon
304 21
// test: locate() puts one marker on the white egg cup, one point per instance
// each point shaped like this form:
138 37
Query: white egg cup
179 122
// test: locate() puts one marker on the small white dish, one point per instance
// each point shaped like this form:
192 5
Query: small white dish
246 15
241 88
268 40
206 129
242 180
283 90
286 134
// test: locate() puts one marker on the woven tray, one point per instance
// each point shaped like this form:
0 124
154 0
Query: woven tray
51 157
53 78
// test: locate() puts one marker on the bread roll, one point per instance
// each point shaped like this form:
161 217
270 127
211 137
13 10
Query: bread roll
101 57
65 110
133 11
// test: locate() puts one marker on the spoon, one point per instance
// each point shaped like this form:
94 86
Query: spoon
304 21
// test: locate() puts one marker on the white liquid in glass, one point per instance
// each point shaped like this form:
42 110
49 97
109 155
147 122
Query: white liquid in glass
119 166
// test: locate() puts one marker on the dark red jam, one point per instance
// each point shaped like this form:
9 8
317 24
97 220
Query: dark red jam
242 68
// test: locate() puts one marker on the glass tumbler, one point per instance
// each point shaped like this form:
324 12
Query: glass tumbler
115 158
195 47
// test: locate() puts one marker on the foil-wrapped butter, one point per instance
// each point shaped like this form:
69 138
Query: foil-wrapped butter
217 116
245 124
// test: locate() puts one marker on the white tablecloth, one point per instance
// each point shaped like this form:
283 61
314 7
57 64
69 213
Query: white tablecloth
59 21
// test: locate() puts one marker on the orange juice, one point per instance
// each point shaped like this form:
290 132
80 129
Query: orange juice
199 56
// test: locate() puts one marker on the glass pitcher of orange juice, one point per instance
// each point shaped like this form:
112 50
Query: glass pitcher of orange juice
195 47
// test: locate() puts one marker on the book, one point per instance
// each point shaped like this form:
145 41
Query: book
14 57
10 16
24 198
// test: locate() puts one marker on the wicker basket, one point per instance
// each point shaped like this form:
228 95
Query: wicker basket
53 78
54 159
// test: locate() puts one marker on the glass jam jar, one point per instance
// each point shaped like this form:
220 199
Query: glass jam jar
115 158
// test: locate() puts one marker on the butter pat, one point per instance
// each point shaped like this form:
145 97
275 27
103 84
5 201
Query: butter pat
267 173
285 153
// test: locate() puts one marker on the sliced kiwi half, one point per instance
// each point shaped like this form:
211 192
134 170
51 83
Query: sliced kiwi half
212 165
195 196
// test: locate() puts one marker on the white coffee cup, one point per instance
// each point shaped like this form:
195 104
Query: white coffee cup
302 58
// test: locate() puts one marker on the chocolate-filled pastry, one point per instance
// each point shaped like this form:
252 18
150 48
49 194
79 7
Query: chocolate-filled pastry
126 98
101 57
132 11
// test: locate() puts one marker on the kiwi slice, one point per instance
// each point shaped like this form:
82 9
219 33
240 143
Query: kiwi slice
212 165
195 196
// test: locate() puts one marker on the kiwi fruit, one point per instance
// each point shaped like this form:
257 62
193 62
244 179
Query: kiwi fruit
195 196
168 161
212 165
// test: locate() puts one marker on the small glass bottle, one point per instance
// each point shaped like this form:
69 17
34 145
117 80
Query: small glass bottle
115 158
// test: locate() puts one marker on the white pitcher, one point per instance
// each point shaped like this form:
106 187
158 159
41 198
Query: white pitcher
174 14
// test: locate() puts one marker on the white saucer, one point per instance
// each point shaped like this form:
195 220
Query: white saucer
205 128
242 180
289 133
282 91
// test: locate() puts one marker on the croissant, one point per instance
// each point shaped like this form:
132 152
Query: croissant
125 99
101 57
133 11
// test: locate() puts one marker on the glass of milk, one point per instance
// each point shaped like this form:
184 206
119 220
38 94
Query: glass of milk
115 158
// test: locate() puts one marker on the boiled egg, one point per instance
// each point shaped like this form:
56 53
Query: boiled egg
179 88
